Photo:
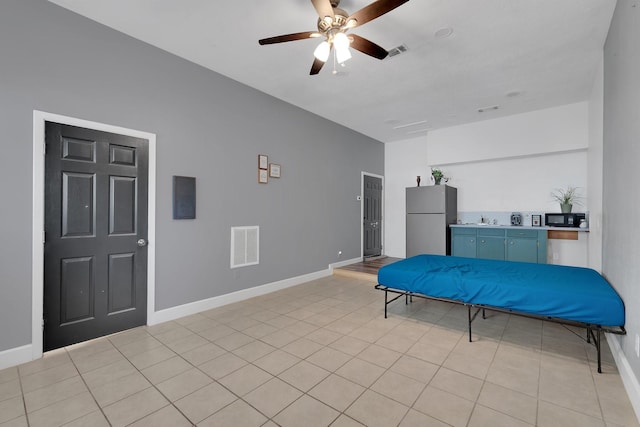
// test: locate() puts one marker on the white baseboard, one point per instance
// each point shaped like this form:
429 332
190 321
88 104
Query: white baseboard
629 379
209 303
19 355
16 356
343 263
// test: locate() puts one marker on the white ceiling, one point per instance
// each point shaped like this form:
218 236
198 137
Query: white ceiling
522 55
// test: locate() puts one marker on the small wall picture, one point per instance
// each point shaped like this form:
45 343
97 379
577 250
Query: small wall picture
263 161
263 176
536 220
274 170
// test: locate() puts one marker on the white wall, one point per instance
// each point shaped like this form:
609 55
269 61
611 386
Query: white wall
551 130
403 162
517 184
506 164
595 166
621 175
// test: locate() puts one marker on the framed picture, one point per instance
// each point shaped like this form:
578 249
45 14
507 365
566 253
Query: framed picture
263 161
536 220
184 197
274 170
263 176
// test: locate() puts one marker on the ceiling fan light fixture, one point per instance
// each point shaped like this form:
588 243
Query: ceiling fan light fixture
342 55
351 23
341 41
333 23
322 51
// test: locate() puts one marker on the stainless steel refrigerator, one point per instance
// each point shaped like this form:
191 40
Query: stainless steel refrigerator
430 211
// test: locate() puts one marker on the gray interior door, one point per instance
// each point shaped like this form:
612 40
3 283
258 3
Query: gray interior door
95 234
372 220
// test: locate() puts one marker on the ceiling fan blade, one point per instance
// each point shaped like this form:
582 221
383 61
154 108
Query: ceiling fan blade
316 67
373 10
290 37
367 47
323 7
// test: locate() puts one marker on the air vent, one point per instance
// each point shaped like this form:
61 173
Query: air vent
245 246
398 50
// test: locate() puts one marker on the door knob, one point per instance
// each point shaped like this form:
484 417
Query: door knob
142 242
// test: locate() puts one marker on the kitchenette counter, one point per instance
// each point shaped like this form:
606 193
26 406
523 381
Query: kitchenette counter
518 227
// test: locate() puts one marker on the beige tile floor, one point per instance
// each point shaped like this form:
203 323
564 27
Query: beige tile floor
322 354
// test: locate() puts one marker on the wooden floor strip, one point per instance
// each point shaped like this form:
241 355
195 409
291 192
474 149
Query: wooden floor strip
365 270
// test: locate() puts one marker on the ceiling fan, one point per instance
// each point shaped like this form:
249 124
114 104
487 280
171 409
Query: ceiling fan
333 24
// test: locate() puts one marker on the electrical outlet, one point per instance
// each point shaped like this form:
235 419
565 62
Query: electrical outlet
556 256
637 345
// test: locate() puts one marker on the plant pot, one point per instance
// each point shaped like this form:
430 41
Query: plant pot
566 207
437 180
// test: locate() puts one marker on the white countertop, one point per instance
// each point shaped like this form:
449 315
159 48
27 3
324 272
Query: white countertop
519 227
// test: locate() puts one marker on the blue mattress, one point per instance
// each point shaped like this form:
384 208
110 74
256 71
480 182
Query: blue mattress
569 293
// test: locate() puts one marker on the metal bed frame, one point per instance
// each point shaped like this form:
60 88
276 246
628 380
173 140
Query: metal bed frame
594 332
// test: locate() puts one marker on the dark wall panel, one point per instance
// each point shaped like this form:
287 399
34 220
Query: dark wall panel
78 204
121 282
77 285
122 205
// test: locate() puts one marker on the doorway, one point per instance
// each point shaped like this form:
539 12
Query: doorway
76 268
95 258
371 216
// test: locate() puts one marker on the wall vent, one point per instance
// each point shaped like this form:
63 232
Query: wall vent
245 246
397 50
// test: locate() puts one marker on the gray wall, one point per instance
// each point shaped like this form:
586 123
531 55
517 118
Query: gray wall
621 198
207 126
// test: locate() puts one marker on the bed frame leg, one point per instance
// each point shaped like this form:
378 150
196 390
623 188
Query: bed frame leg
598 350
470 320
385 303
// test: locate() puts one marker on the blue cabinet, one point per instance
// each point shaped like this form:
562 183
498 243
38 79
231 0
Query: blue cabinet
490 247
501 243
527 246
463 242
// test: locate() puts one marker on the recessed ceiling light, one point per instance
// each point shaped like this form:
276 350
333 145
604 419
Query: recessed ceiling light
486 109
514 93
443 33
410 124
418 131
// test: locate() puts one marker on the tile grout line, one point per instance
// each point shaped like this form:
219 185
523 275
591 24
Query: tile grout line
363 309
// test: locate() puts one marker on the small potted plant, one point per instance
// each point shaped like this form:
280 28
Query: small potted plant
567 197
438 176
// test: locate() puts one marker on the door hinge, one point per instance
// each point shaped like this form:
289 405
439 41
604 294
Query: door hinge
43 324
44 148
44 236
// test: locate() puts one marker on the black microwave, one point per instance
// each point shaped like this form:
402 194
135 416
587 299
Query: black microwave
563 219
